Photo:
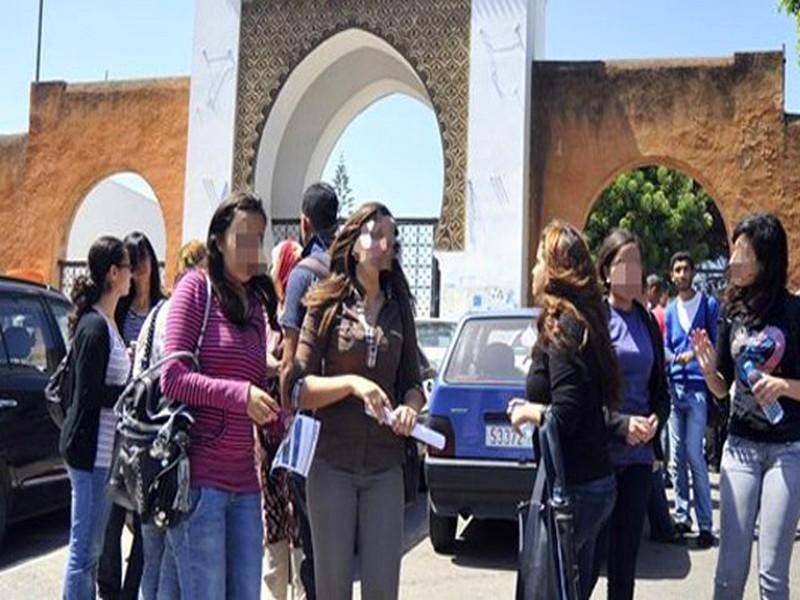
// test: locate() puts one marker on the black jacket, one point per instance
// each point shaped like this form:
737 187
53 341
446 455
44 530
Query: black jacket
91 349
617 423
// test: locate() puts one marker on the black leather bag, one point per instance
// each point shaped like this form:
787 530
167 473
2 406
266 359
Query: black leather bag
547 568
150 472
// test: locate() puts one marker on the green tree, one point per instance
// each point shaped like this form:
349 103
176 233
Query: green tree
341 183
792 8
667 209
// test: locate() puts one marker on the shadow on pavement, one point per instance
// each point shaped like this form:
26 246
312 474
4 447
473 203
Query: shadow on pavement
34 537
487 545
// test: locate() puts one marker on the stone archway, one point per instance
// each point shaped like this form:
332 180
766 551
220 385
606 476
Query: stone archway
333 84
720 121
415 47
79 135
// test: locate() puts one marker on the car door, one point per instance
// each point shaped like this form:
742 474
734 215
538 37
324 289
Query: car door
31 351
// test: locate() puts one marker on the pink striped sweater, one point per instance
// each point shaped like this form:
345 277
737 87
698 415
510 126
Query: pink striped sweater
222 453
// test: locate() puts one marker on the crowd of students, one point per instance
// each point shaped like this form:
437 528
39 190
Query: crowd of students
328 329
611 385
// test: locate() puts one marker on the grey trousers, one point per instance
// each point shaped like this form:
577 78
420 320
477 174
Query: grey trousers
758 480
342 504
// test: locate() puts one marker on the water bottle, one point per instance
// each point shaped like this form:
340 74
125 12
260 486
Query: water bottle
773 411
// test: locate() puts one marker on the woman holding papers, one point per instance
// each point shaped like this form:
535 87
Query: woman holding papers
218 545
574 372
358 369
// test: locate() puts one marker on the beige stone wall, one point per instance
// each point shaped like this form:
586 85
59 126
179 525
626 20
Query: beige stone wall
720 121
80 134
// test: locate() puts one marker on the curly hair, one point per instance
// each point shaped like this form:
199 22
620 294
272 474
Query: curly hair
572 293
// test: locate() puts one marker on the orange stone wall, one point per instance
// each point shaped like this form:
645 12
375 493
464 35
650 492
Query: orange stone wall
721 121
79 134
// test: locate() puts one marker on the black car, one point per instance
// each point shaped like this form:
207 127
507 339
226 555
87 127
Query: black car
33 330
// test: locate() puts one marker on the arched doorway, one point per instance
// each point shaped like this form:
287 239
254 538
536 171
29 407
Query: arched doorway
116 205
671 212
340 84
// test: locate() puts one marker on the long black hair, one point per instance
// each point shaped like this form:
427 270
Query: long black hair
139 248
259 285
342 283
87 290
757 303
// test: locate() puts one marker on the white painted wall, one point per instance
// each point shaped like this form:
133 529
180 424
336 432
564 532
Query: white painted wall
212 112
114 209
506 35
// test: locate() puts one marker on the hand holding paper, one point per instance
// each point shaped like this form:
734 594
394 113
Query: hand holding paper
424 434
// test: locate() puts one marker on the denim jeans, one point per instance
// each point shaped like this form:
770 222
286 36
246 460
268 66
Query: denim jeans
218 546
88 516
592 504
687 429
159 575
757 481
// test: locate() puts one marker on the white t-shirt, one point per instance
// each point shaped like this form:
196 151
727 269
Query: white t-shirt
159 338
117 372
687 311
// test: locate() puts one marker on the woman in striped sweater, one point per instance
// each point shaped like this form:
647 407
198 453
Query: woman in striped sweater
99 367
218 545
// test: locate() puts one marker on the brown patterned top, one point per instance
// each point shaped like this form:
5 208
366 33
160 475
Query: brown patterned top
349 438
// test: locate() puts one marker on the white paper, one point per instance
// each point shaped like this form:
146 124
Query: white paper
424 434
296 451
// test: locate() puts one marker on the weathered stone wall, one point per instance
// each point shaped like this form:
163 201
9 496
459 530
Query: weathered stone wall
721 121
80 134
12 168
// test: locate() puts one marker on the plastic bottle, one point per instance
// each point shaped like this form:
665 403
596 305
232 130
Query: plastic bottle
773 411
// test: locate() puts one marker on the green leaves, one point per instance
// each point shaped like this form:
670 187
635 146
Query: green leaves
666 208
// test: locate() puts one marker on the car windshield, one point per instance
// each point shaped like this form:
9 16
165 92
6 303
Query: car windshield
492 351
435 334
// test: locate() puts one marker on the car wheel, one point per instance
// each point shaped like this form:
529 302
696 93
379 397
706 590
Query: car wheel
442 531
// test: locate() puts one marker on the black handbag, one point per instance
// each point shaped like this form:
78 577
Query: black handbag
547 568
150 472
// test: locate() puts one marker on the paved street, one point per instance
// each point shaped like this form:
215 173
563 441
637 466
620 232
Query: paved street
33 557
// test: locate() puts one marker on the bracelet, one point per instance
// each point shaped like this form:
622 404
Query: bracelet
297 388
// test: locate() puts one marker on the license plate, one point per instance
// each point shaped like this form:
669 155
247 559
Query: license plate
504 436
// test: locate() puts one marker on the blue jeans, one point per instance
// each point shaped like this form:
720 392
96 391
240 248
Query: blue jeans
687 429
159 575
218 546
757 481
89 514
592 504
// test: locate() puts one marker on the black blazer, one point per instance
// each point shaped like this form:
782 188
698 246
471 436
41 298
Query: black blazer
617 423
91 349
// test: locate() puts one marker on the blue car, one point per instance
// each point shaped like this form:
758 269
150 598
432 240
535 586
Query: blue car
486 468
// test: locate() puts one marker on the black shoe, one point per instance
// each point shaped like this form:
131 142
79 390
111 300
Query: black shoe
705 539
676 539
683 527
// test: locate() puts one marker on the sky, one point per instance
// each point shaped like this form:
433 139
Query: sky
89 40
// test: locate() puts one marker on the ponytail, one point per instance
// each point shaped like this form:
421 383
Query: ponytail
105 252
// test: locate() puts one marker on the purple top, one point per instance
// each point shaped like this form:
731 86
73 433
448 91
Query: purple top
222 453
631 341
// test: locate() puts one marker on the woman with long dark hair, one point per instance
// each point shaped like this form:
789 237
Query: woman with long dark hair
574 376
639 347
132 310
98 371
358 370
217 546
758 350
